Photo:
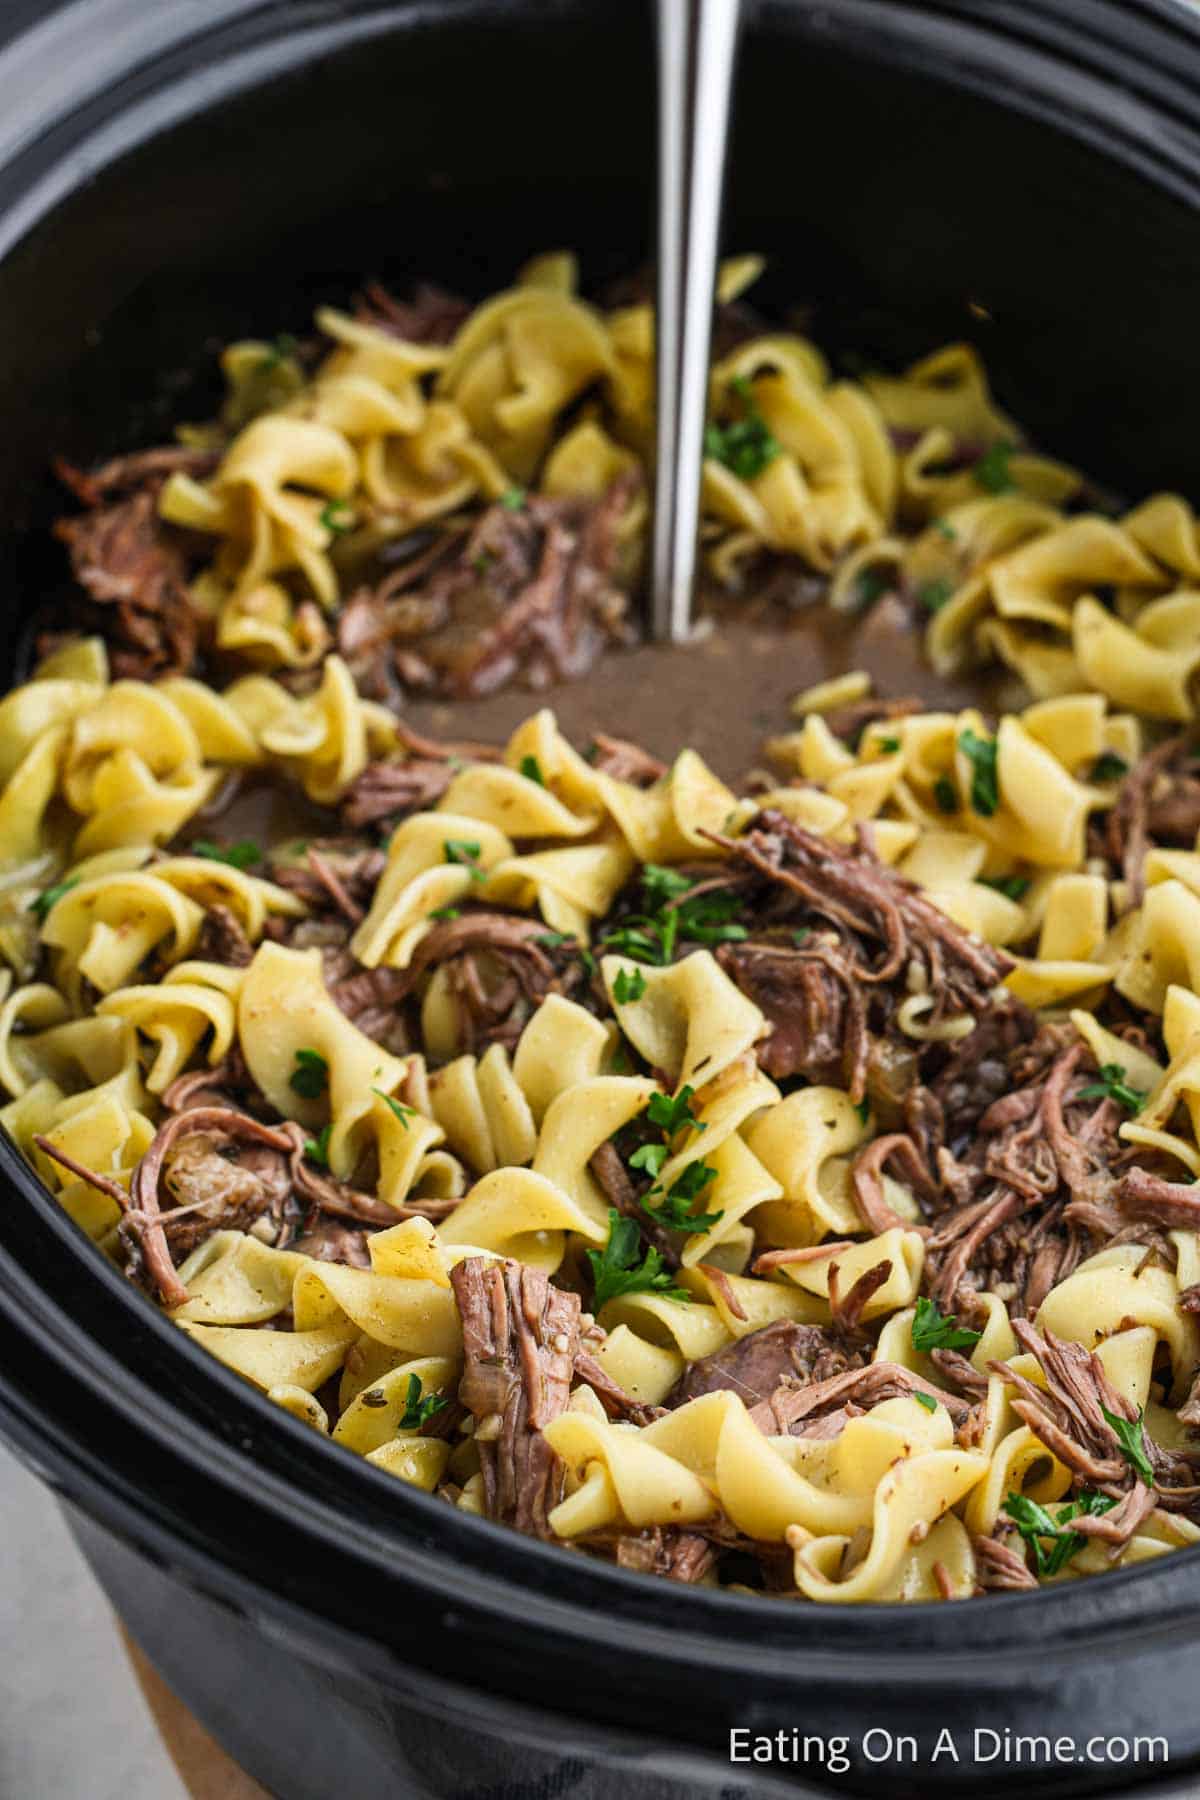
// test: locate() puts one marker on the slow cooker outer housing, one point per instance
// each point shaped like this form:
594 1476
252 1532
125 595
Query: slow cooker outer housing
1020 173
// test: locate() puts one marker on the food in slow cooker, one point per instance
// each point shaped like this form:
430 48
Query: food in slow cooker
787 1185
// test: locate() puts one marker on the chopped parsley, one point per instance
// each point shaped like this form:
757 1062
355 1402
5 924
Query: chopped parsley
1112 1085
671 1115
1013 887
927 1401
1108 766
418 1410
934 1330
531 769
871 586
467 853
652 937
946 528
616 1270
650 1158
801 937
981 754
310 1077
317 1149
1036 1524
337 517
629 985
674 1208
554 940
745 445
513 499
482 563
403 1113
992 471
887 746
933 595
51 896
1131 1435
242 855
279 348
445 912
863 1109
945 795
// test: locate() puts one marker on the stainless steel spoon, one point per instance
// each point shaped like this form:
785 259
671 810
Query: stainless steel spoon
697 44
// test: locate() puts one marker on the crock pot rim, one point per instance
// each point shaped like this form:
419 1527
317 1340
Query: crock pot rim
1174 162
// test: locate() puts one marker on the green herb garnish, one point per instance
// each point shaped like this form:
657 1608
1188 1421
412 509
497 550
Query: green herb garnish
1131 1435
887 746
242 855
934 1330
554 940
280 347
629 985
481 563
1013 887
933 595
1112 1085
872 585
992 471
1108 766
1036 1525
863 1109
466 853
671 1115
945 795
317 1149
401 1112
337 517
650 1158
532 771
51 896
418 1411
310 1077
927 1401
801 936
617 1271
981 754
946 528
446 912
513 499
674 1209
745 445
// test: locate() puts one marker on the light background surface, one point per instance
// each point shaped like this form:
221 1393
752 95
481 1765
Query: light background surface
73 1723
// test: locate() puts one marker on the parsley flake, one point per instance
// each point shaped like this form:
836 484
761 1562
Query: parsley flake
467 853
445 912
946 528
1013 887
403 1113
317 1149
744 445
50 897
616 1270
945 795
927 1401
651 1158
872 585
242 855
887 746
934 1330
1036 1524
933 595
671 1115
279 348
1108 766
337 517
1131 1435
992 471
801 937
674 1209
417 1410
629 985
513 499
310 1077
1112 1085
981 754
532 771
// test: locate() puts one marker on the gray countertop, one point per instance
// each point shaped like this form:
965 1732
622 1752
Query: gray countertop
73 1723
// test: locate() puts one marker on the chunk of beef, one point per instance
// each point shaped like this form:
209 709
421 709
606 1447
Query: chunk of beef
1158 803
133 569
520 1340
432 316
392 790
755 1366
666 1550
222 939
535 592
794 1411
329 1241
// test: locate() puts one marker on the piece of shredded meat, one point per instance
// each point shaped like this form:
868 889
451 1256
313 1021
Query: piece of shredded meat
755 1366
134 571
520 1341
432 316
222 939
535 591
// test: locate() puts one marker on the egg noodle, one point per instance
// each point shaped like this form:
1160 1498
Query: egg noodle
791 1189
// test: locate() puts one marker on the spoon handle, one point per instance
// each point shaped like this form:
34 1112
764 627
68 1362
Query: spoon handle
697 44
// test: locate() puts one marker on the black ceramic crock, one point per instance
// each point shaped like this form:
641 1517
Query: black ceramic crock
1022 172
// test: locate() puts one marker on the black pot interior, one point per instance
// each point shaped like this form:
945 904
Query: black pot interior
898 207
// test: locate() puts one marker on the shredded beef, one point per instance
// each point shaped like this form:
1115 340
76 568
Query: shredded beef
1158 803
392 790
520 1340
222 939
754 1366
666 1550
792 1410
329 1241
535 591
134 571
999 1567
1175 1205
432 316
